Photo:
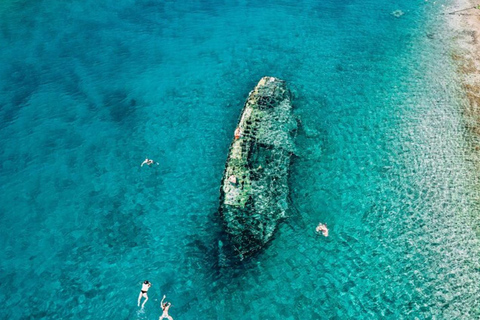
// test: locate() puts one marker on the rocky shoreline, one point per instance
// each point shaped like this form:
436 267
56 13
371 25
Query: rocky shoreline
464 19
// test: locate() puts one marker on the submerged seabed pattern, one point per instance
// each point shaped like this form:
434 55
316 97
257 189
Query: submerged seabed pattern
90 89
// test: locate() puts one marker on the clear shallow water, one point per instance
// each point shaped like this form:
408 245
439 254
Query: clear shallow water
89 90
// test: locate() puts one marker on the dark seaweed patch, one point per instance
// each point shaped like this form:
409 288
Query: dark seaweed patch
120 106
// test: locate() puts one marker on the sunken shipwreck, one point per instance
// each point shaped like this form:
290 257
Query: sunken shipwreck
254 189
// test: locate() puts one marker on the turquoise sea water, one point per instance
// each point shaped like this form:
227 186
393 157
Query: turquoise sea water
88 89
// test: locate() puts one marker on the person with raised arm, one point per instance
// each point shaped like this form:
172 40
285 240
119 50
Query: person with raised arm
165 306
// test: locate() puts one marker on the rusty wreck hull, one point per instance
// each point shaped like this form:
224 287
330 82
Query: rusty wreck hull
254 189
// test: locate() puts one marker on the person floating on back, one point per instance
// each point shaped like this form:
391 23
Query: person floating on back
148 162
143 293
322 228
165 306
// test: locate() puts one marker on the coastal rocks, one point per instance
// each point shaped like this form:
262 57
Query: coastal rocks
254 189
463 20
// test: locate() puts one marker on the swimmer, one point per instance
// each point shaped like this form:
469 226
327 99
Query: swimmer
238 133
143 293
322 228
147 162
165 306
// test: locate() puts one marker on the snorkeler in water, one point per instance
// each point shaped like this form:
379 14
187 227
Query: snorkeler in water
148 162
322 227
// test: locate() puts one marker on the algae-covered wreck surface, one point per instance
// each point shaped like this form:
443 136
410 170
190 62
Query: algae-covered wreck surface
254 190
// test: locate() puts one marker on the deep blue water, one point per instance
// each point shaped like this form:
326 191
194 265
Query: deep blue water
89 89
